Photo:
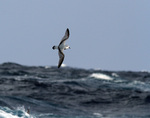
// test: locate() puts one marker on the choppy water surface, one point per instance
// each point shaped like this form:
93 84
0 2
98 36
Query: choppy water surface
67 92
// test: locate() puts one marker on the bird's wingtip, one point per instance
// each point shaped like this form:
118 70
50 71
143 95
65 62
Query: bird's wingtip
68 31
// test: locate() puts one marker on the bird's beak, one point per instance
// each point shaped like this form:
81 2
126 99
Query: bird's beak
69 48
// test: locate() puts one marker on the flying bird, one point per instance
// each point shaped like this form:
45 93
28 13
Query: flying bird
61 47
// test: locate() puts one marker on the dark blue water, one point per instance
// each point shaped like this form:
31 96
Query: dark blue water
49 92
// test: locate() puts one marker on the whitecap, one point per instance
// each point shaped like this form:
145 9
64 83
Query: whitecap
98 114
47 67
63 65
140 85
4 114
101 76
19 112
115 74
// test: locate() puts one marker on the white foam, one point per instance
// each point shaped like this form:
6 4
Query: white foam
63 65
115 74
47 67
6 115
101 76
98 114
23 110
140 85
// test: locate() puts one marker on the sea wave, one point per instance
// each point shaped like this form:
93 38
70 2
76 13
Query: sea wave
101 76
72 92
19 112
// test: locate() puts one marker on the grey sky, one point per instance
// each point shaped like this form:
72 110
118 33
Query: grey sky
105 34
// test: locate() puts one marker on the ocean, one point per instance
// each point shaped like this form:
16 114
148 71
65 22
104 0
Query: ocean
49 92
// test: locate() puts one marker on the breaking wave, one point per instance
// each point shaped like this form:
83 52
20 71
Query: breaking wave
46 91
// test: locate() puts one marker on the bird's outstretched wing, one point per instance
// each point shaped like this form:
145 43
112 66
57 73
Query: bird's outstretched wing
66 36
61 57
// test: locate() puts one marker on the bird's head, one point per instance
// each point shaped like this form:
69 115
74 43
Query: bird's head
67 47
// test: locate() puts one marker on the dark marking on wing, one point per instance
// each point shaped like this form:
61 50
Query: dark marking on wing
66 36
61 58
